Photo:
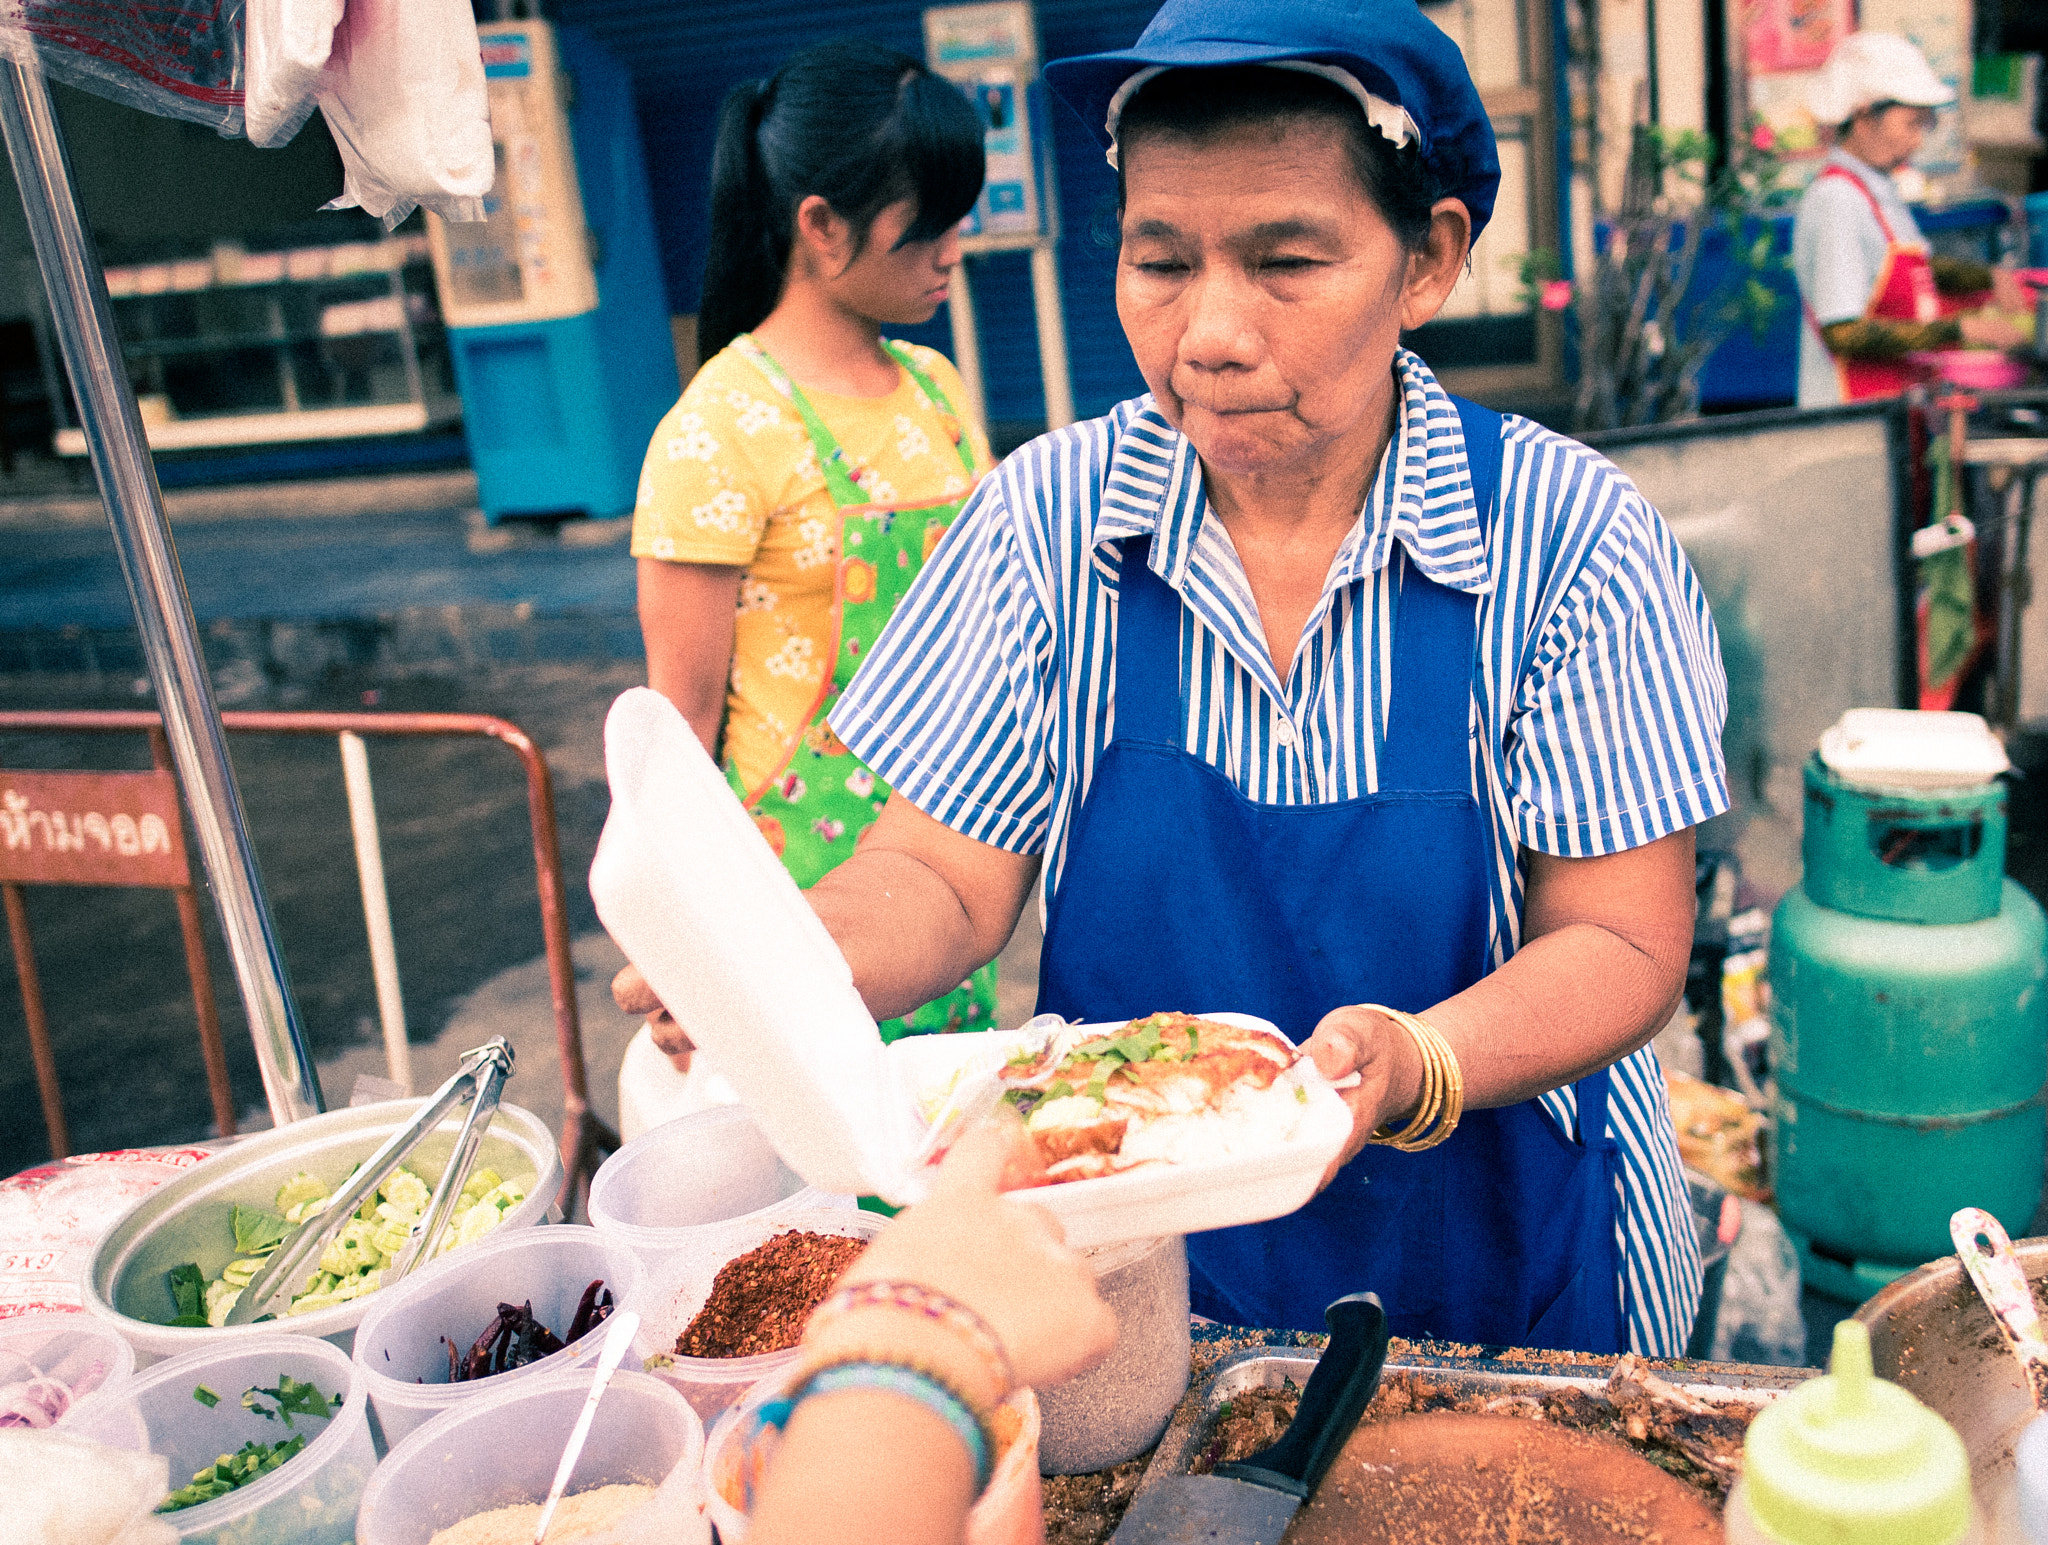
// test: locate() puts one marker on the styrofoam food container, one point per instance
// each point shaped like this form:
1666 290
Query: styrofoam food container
708 1169
80 1352
190 1218
1906 748
502 1448
670 1298
1011 1511
310 1499
686 884
399 1341
1155 1199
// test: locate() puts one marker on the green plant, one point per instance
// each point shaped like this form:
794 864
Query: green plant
1643 339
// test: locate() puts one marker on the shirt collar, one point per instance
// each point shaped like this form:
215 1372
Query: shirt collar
1421 497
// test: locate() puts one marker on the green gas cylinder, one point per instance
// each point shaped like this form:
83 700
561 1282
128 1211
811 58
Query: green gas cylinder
1909 1030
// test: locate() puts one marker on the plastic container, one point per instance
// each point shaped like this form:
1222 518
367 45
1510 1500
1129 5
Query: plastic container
310 1499
190 1218
685 884
1913 749
664 1188
502 1448
670 1298
1852 1457
1010 1512
2030 1468
1117 1409
80 1353
399 1344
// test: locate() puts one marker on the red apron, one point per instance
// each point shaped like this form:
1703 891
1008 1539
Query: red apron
1904 292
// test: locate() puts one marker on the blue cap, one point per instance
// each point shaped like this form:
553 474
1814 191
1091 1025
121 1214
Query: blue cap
1393 51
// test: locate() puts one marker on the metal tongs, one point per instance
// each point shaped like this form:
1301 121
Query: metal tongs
479 1080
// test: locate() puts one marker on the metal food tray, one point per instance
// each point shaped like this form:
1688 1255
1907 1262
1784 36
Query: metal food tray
1267 1367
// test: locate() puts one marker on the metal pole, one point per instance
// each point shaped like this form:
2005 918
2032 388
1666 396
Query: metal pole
967 343
362 821
84 324
1052 336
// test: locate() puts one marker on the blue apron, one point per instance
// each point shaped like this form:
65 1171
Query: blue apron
1180 893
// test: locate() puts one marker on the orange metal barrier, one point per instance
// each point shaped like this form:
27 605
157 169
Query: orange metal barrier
584 1135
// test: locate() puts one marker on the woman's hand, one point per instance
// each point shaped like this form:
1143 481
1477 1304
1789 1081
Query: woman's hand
1389 1068
633 995
1004 1259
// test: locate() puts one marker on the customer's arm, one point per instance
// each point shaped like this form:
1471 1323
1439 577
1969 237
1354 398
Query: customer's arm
866 1467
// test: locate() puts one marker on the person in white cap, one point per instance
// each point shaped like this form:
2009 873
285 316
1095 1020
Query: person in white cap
1870 287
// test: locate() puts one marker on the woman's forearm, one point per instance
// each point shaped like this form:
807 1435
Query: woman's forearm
1567 1005
1601 967
919 907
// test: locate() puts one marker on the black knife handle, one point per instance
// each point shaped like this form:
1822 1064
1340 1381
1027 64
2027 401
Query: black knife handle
1338 1392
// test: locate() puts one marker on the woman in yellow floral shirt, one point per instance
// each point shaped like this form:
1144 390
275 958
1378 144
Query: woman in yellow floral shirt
812 465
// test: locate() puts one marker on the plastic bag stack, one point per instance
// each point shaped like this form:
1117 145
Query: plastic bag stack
401 84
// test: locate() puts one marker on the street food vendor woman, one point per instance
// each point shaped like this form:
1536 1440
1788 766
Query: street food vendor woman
1311 691
1871 290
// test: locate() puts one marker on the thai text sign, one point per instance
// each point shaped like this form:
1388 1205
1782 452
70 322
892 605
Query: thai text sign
74 828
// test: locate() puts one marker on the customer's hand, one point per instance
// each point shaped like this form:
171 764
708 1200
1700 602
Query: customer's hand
1991 328
1002 1257
633 995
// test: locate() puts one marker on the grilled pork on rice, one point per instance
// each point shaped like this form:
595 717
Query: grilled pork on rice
1166 1087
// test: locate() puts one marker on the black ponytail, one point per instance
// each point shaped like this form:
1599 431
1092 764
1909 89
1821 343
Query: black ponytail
856 123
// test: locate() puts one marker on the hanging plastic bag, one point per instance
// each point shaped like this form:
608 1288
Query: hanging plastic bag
403 93
289 42
174 58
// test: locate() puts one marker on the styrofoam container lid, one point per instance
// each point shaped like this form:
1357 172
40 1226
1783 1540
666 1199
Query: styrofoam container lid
689 889
1904 748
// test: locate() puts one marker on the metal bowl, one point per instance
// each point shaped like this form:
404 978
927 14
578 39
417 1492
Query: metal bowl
1931 1332
190 1218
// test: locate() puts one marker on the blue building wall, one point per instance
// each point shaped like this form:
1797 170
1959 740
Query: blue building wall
685 56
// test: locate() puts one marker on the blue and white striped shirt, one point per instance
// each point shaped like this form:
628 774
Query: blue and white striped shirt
1597 699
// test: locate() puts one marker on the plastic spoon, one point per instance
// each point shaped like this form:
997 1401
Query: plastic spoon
617 1339
2006 1292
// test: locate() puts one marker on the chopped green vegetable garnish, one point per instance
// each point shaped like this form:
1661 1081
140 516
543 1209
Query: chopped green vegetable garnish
258 1232
1301 1093
188 1288
293 1399
231 1472
205 1396
1060 1089
351 1264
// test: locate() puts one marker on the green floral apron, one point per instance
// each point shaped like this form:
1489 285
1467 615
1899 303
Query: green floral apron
815 806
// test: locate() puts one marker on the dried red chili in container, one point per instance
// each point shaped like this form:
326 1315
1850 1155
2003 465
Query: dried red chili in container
402 1345
760 1301
764 1305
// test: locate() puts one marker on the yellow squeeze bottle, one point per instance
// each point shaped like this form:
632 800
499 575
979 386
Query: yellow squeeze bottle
1850 1457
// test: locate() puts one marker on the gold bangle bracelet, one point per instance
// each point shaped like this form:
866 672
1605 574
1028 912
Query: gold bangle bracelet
1442 1102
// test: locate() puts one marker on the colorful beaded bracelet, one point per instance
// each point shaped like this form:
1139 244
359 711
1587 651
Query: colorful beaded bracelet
905 1379
933 1305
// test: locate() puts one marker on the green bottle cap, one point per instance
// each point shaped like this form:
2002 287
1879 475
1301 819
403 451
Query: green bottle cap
1850 1457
